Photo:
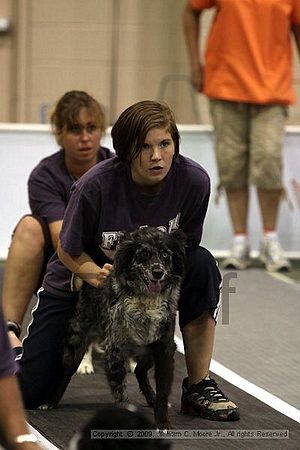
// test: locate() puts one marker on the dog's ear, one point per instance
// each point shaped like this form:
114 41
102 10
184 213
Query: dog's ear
124 255
122 236
179 235
177 243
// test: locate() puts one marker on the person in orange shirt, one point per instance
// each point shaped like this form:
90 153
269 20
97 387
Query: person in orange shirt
248 79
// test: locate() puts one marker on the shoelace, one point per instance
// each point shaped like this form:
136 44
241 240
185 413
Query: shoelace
208 389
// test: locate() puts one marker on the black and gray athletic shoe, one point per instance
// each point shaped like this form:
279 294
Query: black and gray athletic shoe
206 400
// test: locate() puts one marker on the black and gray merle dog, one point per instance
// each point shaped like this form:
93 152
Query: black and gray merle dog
134 313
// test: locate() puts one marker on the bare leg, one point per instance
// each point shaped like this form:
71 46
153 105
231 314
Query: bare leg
22 269
271 253
198 338
269 204
238 257
238 209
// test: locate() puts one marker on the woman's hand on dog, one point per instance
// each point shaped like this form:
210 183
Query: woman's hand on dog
84 267
97 277
102 275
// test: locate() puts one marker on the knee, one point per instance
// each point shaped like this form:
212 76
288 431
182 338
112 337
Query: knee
38 381
201 257
33 394
29 230
266 169
232 169
203 318
203 268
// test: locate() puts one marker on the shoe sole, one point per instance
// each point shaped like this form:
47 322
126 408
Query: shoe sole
274 268
232 265
221 416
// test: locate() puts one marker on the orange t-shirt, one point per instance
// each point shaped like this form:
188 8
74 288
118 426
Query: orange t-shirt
249 56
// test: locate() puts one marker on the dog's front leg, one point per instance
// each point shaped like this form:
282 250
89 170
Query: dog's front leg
115 370
163 353
144 363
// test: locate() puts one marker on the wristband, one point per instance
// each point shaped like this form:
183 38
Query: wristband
24 438
15 327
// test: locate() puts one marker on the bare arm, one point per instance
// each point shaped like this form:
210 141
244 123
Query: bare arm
84 267
54 229
12 416
191 29
296 32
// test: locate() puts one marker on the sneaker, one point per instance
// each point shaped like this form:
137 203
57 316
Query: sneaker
239 257
271 254
206 400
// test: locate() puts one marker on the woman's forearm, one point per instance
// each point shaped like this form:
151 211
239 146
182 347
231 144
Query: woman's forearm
12 416
84 267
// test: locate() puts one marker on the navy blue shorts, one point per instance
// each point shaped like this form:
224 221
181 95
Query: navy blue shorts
41 359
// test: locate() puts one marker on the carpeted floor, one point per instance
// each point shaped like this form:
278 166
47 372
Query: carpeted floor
87 393
260 342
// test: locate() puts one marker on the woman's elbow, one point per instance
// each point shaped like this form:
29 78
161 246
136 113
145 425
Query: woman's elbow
60 252
71 262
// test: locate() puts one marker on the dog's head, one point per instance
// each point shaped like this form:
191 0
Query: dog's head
149 260
114 417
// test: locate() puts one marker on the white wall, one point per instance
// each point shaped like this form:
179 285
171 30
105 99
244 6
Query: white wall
22 147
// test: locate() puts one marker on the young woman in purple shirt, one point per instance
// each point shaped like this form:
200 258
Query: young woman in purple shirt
78 124
147 184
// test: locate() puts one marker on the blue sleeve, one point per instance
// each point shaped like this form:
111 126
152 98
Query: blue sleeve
80 221
193 218
46 196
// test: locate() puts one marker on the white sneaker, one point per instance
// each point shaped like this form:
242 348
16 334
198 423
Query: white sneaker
272 255
239 257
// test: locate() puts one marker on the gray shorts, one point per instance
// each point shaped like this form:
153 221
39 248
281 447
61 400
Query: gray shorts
249 140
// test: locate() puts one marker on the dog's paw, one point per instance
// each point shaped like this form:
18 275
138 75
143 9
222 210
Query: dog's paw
122 403
131 365
85 368
163 427
76 283
45 407
99 348
151 399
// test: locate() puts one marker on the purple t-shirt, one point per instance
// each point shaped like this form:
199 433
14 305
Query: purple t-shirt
8 366
105 201
50 183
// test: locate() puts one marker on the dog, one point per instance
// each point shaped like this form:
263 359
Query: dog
134 312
